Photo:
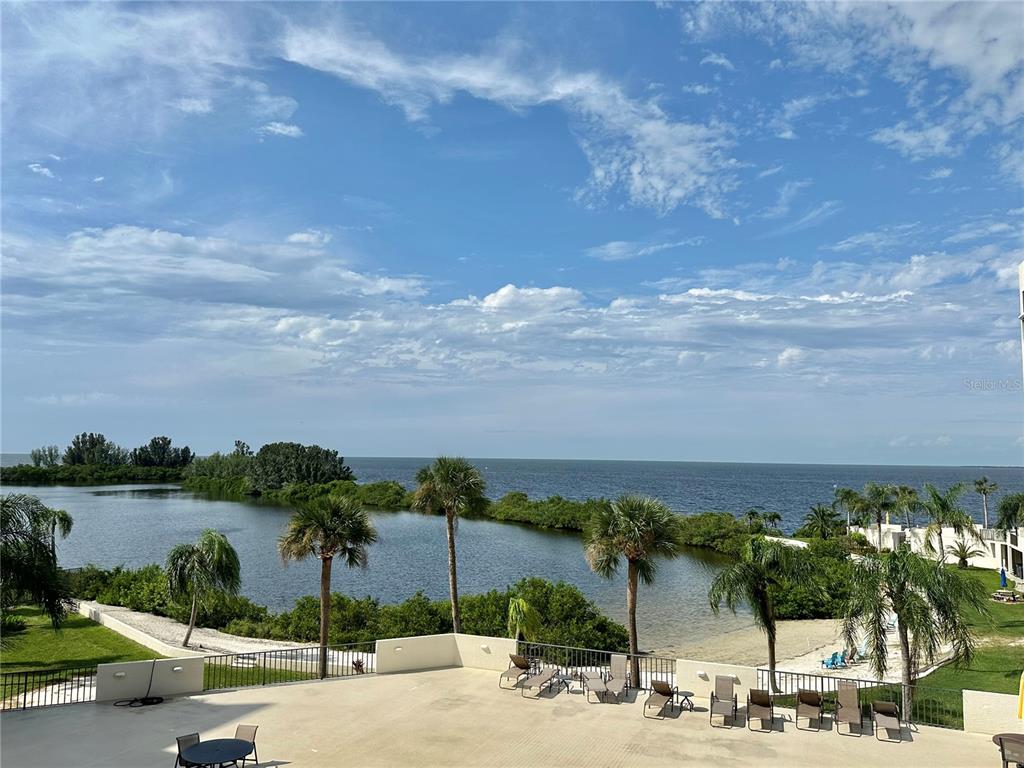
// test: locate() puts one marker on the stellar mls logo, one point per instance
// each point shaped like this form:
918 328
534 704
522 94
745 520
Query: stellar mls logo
993 385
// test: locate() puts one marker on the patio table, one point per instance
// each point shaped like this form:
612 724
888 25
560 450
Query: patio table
216 752
685 700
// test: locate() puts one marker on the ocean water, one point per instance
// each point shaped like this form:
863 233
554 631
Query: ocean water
136 525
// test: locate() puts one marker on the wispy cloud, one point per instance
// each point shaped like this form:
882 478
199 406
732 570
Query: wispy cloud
787 193
812 218
281 129
718 60
623 250
42 170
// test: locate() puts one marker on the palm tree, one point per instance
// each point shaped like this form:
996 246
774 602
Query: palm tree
452 487
1010 511
846 500
930 602
329 527
907 501
821 521
764 564
772 520
984 488
58 521
944 511
875 501
753 518
523 620
639 529
198 571
963 551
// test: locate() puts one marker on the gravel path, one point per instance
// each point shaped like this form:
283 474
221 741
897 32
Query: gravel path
172 632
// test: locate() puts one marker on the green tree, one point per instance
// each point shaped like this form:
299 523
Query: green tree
279 464
772 520
755 524
906 500
159 452
944 511
764 566
47 456
94 448
1010 512
327 528
201 570
639 529
963 551
450 486
523 621
821 522
846 500
931 604
985 488
876 502
56 521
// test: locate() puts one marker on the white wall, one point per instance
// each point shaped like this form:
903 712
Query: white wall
484 652
131 679
92 612
407 654
699 677
991 713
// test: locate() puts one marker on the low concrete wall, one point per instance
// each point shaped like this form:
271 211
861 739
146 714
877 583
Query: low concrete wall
699 677
481 652
408 654
991 713
131 633
170 677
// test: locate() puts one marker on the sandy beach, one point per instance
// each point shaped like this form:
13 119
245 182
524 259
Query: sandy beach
748 646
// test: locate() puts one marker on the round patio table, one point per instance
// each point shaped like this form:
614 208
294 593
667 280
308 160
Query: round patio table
217 751
1000 737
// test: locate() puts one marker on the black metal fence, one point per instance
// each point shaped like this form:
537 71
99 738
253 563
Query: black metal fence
47 687
576 660
940 707
289 665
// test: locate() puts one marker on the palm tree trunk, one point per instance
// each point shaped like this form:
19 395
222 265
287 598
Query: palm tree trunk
53 542
908 673
453 579
942 549
879 518
769 628
984 508
634 645
192 619
325 611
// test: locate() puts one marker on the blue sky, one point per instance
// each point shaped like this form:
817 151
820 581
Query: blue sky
705 232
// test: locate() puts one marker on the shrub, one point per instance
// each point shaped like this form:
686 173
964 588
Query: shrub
553 512
279 464
715 530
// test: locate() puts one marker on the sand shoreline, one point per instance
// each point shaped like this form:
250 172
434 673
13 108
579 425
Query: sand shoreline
748 646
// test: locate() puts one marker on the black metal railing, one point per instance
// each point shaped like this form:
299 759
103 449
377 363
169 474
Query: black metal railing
47 687
288 665
940 707
593 662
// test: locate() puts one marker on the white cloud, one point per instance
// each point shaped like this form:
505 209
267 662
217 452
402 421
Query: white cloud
718 60
790 356
787 193
631 144
71 400
193 106
812 218
42 170
98 179
310 237
939 173
1010 160
622 250
918 144
771 171
281 129
698 89
882 239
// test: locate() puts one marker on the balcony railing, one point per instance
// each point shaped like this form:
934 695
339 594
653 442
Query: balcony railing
241 670
575 660
47 687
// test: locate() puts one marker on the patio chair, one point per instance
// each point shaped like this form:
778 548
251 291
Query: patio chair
808 704
848 707
618 677
544 676
1012 752
760 707
248 733
593 683
662 695
517 667
723 700
886 714
184 742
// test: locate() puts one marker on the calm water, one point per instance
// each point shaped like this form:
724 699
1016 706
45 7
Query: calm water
136 525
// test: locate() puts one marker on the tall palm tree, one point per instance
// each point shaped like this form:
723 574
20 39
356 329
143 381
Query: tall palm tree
452 487
906 501
821 521
764 564
753 518
638 529
944 511
772 520
876 501
985 488
329 527
845 499
58 521
931 604
1010 512
523 620
199 570
963 551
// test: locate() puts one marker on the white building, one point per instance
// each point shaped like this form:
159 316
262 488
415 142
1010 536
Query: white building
1000 549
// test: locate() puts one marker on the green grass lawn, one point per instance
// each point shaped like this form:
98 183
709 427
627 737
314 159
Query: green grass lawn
79 642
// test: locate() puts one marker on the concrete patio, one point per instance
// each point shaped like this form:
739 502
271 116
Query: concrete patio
447 717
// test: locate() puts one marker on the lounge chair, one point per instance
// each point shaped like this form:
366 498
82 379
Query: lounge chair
544 676
518 666
808 704
662 695
248 733
723 700
886 714
1012 752
184 742
848 706
760 707
595 684
618 677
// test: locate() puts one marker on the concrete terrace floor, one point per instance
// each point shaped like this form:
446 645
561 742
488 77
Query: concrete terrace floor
450 717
